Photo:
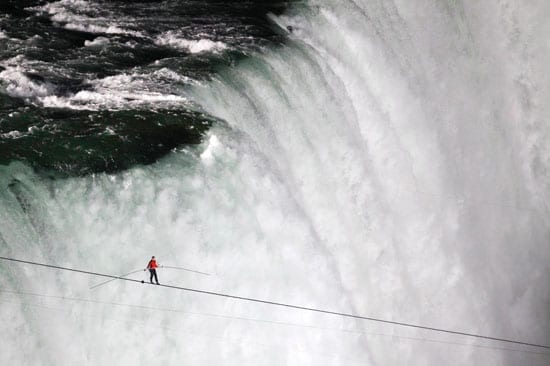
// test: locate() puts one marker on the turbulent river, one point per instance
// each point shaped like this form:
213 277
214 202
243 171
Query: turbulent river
389 159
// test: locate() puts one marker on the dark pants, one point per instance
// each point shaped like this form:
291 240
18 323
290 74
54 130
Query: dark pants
153 273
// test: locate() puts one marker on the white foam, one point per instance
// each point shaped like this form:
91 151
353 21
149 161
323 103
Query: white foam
83 16
93 100
172 76
173 39
151 90
16 84
97 42
11 135
155 89
92 28
113 99
3 35
208 155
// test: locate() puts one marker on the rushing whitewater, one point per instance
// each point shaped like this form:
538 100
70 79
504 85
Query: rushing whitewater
390 160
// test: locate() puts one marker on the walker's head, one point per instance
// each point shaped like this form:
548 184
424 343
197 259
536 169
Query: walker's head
153 257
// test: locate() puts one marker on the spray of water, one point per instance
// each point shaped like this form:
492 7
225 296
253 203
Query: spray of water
388 162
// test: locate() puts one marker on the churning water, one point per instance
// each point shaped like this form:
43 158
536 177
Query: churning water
383 158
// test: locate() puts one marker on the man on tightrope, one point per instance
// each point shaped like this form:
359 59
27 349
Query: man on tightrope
152 267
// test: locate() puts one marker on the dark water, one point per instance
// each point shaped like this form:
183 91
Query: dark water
92 86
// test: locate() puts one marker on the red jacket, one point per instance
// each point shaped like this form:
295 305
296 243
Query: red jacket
152 264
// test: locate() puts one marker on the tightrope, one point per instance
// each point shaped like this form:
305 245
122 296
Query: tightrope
268 302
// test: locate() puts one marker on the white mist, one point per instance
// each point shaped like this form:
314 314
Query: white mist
391 161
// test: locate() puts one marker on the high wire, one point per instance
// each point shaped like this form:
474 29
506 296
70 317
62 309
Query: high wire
305 308
113 279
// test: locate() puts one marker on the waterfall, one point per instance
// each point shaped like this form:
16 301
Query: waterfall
390 161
